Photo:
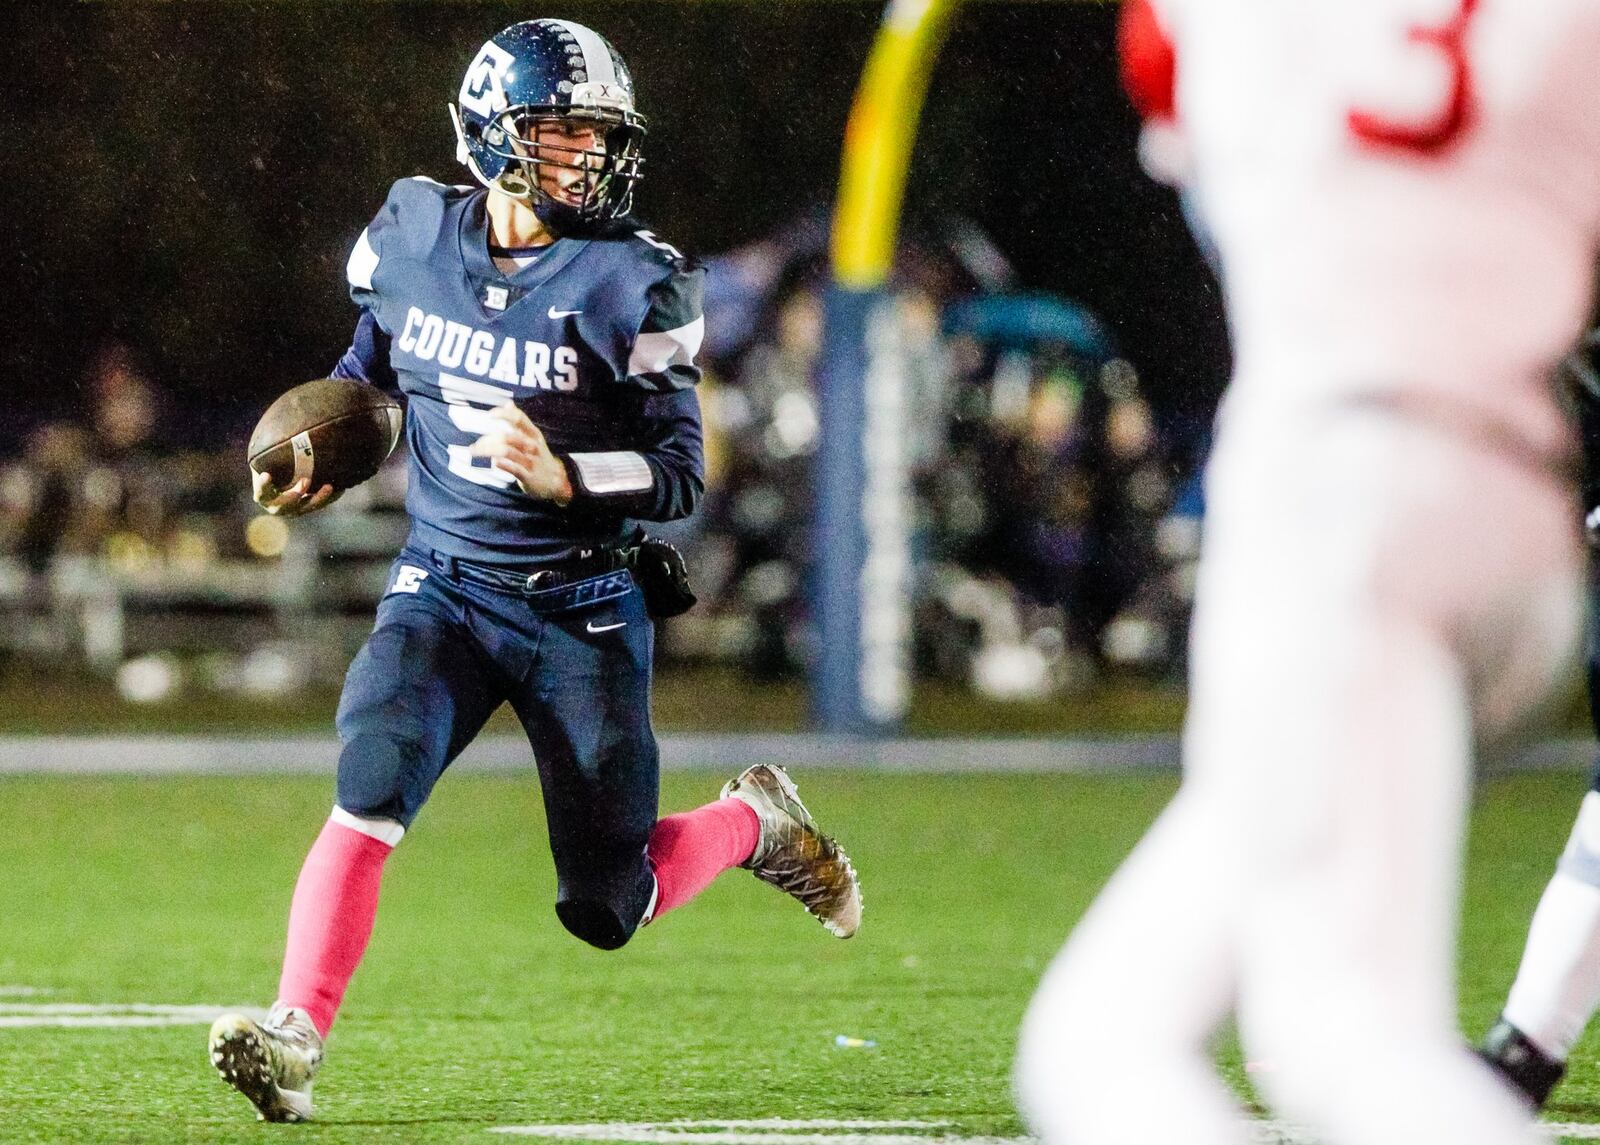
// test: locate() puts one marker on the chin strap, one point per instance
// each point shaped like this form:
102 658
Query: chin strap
463 152
519 189
515 186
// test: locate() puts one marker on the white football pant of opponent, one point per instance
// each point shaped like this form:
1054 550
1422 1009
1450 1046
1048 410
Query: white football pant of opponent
1557 988
1405 196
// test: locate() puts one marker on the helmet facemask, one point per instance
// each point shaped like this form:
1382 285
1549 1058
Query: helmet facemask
533 162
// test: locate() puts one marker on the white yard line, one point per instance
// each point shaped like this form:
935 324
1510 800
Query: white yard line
786 1131
1283 1133
770 1131
100 1021
681 1134
791 1123
67 1015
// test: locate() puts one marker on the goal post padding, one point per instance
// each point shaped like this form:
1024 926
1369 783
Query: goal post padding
861 591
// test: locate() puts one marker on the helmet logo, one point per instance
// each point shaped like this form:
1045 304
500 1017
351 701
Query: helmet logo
483 91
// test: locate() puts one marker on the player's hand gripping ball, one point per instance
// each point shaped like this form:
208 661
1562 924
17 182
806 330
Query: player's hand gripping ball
318 440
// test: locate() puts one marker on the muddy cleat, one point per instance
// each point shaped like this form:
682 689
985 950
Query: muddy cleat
793 855
271 1062
1521 1063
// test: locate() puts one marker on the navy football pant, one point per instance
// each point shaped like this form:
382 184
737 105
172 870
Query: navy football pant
574 663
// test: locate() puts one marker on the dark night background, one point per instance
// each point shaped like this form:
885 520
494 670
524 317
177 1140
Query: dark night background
188 178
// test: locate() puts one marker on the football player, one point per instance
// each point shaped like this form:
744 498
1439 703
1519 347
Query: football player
1557 987
1404 197
545 344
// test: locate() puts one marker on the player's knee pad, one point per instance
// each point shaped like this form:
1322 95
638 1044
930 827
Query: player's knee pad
382 776
595 921
603 889
1581 859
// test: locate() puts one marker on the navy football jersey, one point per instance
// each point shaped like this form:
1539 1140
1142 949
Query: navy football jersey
594 339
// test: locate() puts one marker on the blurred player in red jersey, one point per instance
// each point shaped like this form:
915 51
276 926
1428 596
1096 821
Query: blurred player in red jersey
1404 200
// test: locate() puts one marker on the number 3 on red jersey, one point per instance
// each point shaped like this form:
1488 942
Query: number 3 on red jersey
1436 132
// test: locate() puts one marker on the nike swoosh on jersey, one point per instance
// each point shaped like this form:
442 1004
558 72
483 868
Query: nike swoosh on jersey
554 313
606 627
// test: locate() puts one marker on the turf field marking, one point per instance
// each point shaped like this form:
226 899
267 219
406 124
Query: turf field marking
641 1135
780 1131
1282 1133
755 1131
15 1015
787 1123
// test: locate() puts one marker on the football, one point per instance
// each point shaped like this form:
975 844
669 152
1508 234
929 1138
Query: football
337 431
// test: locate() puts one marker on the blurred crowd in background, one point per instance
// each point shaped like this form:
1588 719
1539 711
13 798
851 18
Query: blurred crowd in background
189 268
1053 539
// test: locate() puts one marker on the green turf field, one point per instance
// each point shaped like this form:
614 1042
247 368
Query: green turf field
474 1009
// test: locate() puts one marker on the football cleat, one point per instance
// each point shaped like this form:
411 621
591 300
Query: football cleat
793 855
1529 1070
272 1062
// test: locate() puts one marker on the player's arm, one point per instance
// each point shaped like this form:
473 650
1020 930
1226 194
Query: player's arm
367 360
660 475
674 452
660 479
664 475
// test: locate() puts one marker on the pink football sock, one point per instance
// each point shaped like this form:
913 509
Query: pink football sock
689 850
330 919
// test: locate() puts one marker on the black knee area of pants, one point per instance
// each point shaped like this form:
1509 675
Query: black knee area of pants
595 922
381 776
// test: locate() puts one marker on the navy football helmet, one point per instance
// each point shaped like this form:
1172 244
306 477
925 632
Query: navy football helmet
550 74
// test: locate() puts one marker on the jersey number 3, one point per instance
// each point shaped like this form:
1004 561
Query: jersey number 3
1433 133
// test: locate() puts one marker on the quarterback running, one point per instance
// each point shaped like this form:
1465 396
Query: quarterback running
544 341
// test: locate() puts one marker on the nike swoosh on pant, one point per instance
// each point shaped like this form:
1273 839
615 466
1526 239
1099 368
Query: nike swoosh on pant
605 627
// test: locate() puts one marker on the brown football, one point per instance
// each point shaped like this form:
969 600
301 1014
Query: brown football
337 431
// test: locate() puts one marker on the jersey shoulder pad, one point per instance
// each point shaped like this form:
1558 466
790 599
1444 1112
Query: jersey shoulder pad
653 250
651 281
634 242
412 222
676 298
669 334
414 213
